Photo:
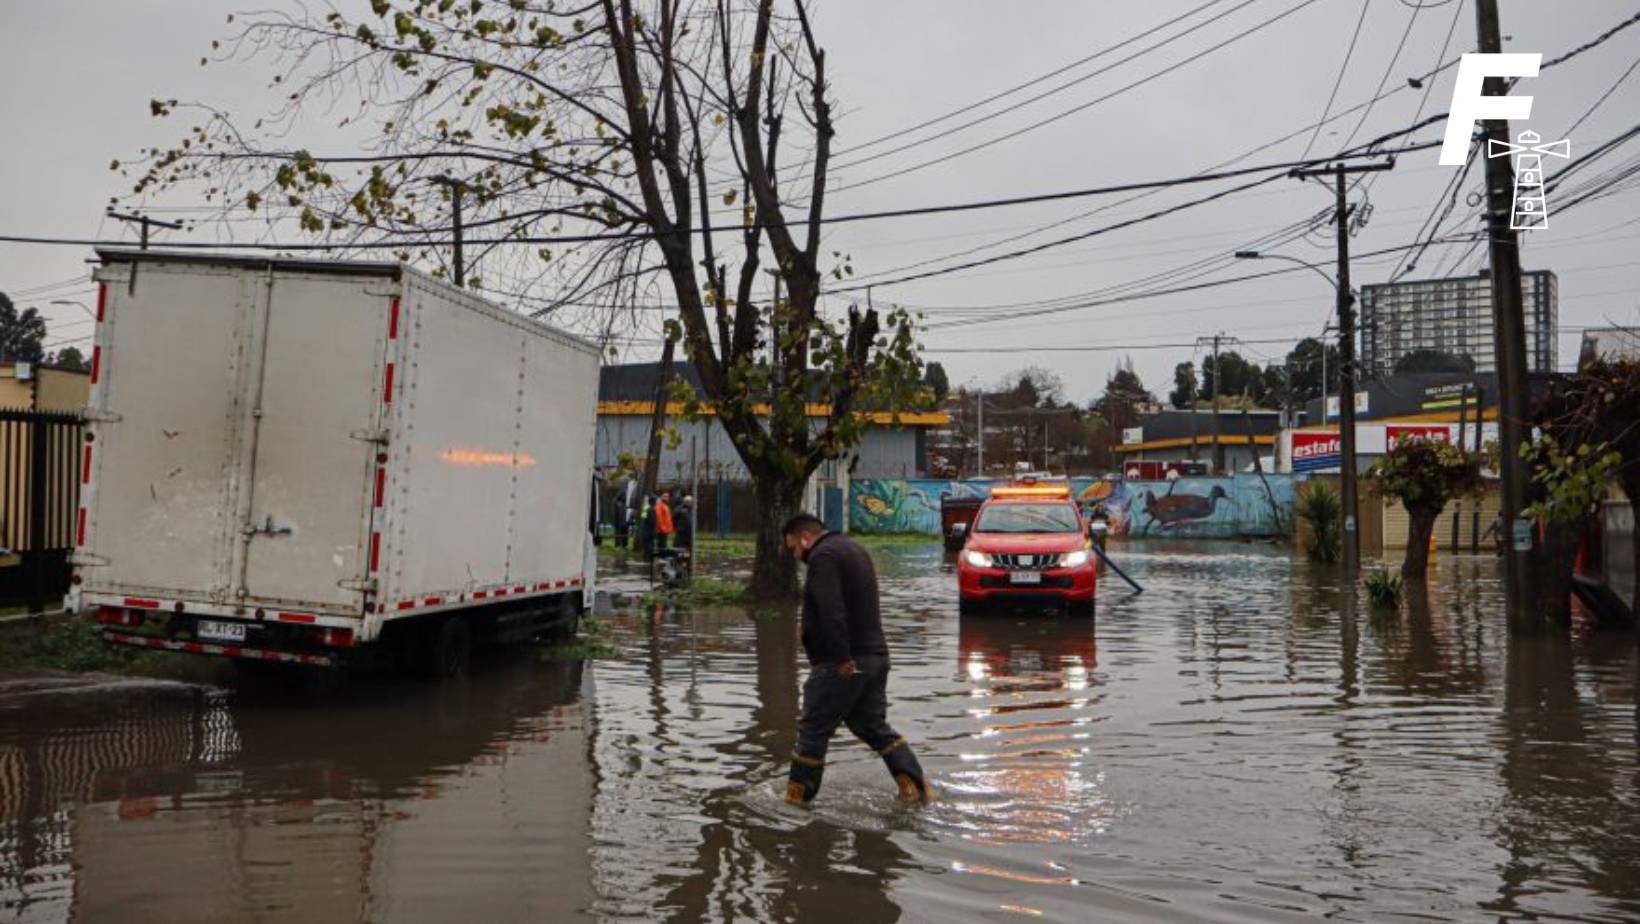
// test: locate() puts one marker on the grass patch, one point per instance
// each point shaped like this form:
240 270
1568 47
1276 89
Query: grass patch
71 643
590 644
889 540
704 590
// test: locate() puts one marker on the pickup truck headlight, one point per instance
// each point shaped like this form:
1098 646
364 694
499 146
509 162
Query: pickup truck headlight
1074 559
977 559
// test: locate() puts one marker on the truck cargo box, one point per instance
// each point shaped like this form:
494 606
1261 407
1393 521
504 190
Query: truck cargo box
323 445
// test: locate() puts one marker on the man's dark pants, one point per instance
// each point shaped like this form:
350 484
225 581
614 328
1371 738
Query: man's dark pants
861 703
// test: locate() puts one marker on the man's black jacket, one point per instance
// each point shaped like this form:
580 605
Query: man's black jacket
841 619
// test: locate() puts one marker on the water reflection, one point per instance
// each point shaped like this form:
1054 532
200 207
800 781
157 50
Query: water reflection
1243 742
147 801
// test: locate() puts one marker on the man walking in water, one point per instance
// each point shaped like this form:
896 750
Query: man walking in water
848 662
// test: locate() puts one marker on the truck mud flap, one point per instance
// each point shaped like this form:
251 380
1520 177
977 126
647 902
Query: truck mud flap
230 651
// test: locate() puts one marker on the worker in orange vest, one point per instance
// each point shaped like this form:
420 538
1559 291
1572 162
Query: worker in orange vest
664 526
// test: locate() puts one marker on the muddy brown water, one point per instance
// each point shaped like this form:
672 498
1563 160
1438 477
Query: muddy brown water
1237 744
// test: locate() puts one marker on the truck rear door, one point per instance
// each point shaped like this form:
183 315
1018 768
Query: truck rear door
322 358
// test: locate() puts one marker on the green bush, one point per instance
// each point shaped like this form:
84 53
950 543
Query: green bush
1384 589
1321 509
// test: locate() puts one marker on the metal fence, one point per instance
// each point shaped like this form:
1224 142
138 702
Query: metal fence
40 458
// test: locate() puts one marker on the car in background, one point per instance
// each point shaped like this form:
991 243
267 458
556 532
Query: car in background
1028 546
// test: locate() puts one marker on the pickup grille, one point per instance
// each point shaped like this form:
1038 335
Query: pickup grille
1026 562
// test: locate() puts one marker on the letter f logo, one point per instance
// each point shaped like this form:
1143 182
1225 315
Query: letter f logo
1469 106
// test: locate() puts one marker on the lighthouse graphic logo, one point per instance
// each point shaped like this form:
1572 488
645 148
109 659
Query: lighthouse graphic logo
1531 208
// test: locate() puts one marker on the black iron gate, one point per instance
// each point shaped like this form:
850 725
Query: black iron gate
40 459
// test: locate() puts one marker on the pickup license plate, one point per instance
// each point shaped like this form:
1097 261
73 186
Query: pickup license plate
1025 577
221 631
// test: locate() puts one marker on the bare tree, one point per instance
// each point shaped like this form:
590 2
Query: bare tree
605 155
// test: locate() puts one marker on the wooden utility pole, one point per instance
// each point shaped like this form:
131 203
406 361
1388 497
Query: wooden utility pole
1218 389
1508 337
1346 365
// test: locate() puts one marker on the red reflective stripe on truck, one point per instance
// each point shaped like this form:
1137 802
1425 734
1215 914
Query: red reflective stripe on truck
140 603
96 363
519 590
375 551
102 301
432 601
297 617
85 473
387 392
480 594
79 529
407 604
381 482
393 321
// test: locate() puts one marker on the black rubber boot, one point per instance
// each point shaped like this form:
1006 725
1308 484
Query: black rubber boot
907 773
803 783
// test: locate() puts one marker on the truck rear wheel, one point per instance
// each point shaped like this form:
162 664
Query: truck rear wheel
451 650
565 621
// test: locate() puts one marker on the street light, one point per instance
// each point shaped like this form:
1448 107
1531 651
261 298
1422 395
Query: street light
80 305
1346 401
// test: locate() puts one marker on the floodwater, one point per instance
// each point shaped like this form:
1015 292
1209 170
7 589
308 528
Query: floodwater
1237 744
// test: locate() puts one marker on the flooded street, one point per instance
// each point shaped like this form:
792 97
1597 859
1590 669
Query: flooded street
1236 744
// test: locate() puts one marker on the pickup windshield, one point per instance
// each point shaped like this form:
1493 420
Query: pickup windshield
1028 518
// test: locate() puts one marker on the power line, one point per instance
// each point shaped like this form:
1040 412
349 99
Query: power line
1339 82
644 235
1044 95
1026 85
1079 108
1426 81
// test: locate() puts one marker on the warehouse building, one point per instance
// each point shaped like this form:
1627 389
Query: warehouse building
894 446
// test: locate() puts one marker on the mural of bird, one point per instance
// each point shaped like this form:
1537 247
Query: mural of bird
1175 509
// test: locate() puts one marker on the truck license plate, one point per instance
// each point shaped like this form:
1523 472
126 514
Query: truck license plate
1026 577
221 631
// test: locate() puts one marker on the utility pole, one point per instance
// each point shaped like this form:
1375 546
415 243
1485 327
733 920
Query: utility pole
980 439
143 222
458 261
1509 337
1346 365
1218 389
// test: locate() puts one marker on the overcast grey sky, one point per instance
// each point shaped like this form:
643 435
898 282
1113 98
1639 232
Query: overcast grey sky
79 75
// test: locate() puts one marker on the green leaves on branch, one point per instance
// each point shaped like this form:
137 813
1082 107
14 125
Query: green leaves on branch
1424 474
1574 481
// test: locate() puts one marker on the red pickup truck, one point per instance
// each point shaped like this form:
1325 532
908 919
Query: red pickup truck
1029 545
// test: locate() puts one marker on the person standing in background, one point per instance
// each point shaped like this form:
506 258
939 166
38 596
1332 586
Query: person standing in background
664 526
683 519
646 528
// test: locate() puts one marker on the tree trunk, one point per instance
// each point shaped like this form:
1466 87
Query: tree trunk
1420 528
1555 557
774 570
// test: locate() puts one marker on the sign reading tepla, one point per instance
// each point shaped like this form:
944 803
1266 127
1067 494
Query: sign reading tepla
1395 435
1314 452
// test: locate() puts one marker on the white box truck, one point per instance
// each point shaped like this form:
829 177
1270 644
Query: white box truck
313 462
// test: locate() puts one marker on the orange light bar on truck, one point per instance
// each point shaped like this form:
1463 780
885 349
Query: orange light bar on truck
1032 490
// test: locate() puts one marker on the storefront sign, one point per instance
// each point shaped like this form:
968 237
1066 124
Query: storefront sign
1316 451
1437 432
